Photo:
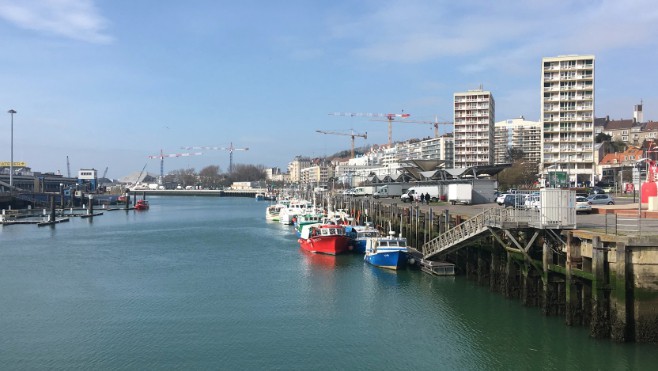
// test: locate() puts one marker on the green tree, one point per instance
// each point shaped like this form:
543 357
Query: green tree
602 137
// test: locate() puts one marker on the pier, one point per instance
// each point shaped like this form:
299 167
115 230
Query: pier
605 281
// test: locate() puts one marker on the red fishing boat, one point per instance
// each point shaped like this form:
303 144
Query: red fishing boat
324 239
142 205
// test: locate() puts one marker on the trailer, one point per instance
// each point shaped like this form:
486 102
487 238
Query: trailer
460 193
391 190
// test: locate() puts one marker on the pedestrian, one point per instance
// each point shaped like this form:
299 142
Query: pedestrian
427 198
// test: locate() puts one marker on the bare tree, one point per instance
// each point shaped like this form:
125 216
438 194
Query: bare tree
185 177
209 177
247 173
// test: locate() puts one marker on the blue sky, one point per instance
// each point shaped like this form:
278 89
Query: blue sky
110 82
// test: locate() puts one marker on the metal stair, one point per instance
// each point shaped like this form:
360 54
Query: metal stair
465 232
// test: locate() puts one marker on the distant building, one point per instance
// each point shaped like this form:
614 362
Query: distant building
295 168
474 113
519 134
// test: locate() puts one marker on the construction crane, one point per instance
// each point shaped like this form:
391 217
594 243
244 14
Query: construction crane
230 150
162 156
390 117
105 172
350 134
434 123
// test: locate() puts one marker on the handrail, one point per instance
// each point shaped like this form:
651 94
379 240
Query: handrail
465 230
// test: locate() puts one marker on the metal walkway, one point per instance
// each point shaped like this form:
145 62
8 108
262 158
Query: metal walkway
559 217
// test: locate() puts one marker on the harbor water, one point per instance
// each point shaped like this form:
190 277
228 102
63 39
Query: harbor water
208 283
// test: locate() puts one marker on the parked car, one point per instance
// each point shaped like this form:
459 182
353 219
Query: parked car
501 198
514 200
601 199
583 205
532 202
597 190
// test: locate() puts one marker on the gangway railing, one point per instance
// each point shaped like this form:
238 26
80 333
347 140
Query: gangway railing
463 232
560 216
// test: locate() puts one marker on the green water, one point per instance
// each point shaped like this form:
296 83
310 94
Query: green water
207 283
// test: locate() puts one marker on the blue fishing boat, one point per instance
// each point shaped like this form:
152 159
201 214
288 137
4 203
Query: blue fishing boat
387 252
359 234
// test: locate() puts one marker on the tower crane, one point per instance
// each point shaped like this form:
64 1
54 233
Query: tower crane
162 156
351 134
434 123
230 150
390 117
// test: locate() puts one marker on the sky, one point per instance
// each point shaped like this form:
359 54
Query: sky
109 83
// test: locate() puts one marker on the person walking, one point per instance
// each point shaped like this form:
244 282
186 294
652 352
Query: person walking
427 198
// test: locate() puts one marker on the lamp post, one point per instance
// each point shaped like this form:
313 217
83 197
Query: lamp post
11 159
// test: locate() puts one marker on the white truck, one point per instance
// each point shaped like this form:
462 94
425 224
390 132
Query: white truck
460 193
390 190
414 192
364 191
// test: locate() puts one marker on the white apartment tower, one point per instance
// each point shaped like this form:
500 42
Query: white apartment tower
519 134
567 117
474 128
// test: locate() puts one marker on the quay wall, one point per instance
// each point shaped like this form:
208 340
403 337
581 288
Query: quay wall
604 282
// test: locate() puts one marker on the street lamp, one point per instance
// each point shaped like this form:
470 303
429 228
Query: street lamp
11 159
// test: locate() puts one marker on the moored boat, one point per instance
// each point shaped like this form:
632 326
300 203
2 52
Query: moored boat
260 196
359 234
324 239
287 215
387 252
142 205
310 218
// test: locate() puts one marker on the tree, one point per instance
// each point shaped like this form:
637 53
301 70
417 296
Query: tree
247 173
521 174
602 137
209 177
185 177
514 154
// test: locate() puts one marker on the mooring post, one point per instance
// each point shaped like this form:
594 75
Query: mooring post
621 297
600 323
572 306
52 209
90 207
546 296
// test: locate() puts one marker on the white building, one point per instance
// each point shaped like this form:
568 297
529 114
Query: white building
520 134
474 128
567 116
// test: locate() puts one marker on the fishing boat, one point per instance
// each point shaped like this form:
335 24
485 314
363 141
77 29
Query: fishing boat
324 239
359 234
287 215
260 196
310 218
142 205
387 252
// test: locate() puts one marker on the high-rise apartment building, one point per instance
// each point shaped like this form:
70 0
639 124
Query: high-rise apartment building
567 117
474 128
519 134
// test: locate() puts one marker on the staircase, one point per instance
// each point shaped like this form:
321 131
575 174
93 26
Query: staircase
463 233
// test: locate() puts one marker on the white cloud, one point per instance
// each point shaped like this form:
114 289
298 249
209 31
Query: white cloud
75 19
412 31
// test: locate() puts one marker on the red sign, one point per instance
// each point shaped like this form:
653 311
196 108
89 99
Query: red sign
630 188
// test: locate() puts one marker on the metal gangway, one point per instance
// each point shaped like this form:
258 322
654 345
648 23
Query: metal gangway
556 211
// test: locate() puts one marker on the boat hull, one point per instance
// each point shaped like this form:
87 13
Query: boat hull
394 259
331 245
